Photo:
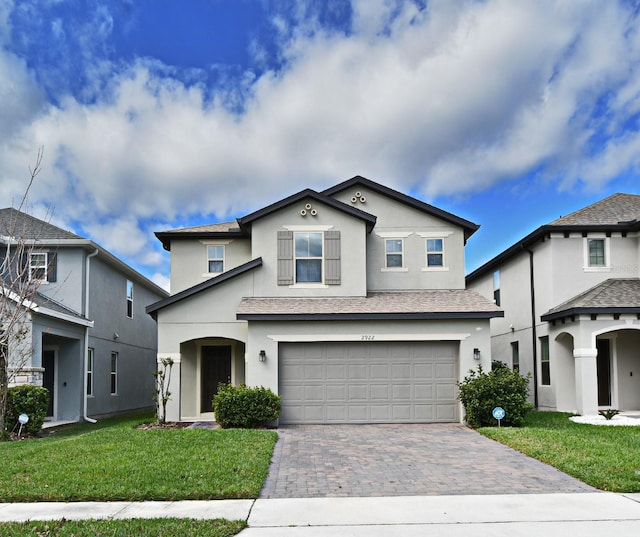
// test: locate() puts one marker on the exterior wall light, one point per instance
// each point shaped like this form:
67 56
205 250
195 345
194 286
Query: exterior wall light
476 354
262 356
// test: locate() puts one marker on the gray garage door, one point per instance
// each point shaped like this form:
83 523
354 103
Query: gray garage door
368 382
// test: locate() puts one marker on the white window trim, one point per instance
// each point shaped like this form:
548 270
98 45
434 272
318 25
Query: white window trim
130 299
401 268
91 359
394 234
113 373
32 267
308 285
224 256
444 266
607 254
311 229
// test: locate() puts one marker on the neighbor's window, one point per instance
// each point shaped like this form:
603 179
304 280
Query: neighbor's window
114 373
308 257
394 253
38 266
130 299
496 287
215 258
435 252
596 253
515 356
90 371
545 371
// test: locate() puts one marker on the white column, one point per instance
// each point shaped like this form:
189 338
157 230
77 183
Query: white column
586 381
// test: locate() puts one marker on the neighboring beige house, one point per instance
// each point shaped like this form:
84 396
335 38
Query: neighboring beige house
349 303
571 296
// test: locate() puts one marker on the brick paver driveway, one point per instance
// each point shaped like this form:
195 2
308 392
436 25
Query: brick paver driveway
403 460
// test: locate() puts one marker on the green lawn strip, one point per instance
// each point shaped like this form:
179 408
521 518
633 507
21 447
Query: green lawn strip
604 457
121 462
115 528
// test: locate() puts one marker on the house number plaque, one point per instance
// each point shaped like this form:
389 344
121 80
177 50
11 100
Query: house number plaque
367 337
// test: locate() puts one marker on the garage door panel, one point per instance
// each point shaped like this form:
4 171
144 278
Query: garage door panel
444 371
380 392
379 371
336 371
368 382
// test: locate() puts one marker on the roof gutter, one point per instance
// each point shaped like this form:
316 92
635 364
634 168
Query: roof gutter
87 271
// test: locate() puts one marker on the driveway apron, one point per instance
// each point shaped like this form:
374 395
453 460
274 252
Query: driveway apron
403 460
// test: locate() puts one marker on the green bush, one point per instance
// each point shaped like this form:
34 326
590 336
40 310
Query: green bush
30 400
242 407
481 392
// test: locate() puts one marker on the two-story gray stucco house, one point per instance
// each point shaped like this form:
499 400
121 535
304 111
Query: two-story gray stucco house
89 340
350 303
571 296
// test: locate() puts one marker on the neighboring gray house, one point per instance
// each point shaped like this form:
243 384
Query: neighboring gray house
89 338
571 296
350 303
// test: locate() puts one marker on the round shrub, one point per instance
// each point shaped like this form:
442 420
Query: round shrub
243 407
30 400
481 392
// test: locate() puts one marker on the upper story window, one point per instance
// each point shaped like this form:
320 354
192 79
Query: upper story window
308 257
38 266
394 253
496 287
596 254
215 258
435 253
41 266
129 299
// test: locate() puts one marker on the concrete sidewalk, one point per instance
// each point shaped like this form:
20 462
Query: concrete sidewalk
587 514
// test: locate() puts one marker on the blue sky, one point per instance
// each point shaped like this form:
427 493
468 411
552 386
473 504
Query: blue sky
158 114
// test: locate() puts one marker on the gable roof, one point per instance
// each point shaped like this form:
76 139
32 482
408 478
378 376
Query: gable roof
246 221
617 213
19 226
14 223
610 296
444 304
469 227
153 309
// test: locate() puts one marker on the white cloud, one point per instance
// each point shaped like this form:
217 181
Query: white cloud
449 99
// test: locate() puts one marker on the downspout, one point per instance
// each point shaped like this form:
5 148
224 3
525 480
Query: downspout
534 334
86 335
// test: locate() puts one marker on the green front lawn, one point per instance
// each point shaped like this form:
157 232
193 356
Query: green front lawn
113 460
117 528
604 457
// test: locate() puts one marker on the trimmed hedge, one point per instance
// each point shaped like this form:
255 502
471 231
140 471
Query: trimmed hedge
481 392
244 408
30 400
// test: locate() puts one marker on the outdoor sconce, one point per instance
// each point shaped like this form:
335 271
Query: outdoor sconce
476 354
262 356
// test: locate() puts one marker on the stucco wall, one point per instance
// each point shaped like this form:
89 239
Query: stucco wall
189 260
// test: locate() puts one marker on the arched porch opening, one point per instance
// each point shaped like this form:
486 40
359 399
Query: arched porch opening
205 363
566 373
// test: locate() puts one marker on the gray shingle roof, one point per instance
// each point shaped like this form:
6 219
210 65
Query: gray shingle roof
613 295
421 304
208 228
609 211
14 223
